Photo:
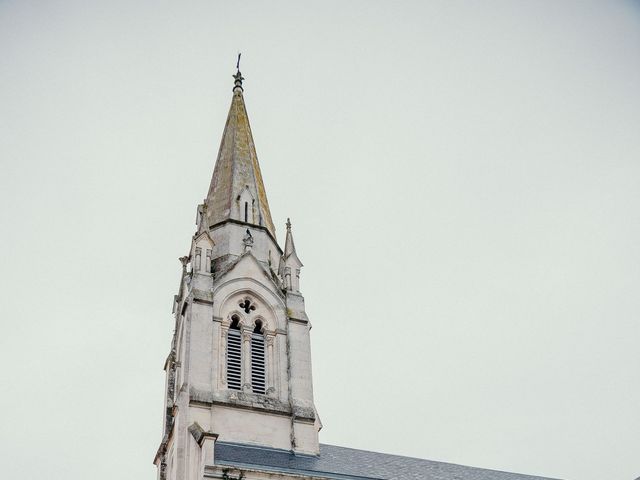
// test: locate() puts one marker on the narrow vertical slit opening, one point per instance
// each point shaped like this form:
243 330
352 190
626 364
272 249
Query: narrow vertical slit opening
234 354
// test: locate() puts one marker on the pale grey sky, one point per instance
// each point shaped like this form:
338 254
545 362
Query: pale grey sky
463 181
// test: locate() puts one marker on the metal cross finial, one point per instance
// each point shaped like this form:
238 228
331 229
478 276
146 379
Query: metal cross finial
238 76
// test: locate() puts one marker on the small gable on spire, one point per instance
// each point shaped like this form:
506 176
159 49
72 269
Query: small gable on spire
202 252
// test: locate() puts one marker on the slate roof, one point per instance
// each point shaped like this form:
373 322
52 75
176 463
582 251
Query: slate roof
341 463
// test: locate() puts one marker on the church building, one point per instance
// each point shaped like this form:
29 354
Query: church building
239 390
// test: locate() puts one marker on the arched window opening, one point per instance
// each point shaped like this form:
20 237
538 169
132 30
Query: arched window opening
246 211
258 380
234 354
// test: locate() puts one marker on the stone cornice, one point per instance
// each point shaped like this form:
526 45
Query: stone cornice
299 320
250 225
202 296
249 401
199 434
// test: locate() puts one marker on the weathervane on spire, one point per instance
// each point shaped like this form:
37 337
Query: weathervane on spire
238 76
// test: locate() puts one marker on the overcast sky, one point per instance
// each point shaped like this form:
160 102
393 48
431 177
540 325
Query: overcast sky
463 181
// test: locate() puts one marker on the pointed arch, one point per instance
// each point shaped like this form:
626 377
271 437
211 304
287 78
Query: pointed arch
245 202
269 307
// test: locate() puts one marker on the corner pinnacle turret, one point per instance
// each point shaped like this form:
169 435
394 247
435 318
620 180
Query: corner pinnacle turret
237 191
289 268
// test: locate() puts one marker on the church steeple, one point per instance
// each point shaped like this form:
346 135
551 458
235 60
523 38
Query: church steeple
239 367
237 191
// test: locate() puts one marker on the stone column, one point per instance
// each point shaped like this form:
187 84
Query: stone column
246 359
287 278
271 386
207 451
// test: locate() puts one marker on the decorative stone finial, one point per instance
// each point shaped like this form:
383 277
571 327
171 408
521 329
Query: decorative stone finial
238 77
247 240
288 224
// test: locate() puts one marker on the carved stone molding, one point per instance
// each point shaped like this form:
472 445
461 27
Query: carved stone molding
247 333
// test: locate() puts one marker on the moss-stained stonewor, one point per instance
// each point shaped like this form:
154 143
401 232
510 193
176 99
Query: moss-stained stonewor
236 171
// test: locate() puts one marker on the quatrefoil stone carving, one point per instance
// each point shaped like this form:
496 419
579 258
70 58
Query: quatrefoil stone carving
247 306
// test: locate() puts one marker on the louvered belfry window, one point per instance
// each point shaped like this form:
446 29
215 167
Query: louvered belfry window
234 357
257 363
258 380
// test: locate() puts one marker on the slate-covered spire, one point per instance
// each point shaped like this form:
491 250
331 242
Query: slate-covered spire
237 191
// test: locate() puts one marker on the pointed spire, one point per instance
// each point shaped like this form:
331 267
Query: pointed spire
237 191
289 246
289 268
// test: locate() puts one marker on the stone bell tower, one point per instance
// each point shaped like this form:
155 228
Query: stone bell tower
239 367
